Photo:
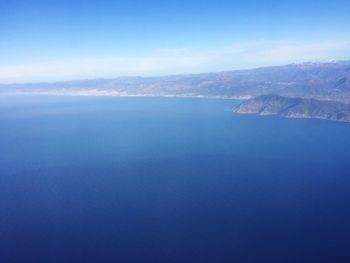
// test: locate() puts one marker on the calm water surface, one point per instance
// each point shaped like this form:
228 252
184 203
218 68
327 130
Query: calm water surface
169 180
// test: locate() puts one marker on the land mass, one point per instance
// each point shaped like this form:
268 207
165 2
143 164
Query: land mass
304 90
325 81
295 108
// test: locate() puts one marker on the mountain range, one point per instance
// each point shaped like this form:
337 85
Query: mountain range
324 81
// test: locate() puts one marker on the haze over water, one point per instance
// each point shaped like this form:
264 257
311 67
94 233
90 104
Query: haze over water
169 180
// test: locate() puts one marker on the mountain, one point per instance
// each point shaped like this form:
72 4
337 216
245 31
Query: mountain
325 81
295 108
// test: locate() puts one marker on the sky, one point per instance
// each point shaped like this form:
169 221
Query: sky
67 39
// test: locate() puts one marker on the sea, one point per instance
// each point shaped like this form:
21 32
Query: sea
169 180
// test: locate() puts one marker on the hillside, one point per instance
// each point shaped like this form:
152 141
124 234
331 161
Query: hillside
295 108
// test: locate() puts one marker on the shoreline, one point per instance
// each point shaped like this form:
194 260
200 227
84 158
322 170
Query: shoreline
118 94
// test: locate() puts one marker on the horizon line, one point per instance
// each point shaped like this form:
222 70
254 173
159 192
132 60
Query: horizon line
329 61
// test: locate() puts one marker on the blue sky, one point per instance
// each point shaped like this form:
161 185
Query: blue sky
59 40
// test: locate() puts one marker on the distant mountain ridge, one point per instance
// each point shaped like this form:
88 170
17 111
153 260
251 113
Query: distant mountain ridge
324 81
295 108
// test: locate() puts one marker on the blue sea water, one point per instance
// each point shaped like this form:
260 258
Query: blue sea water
169 180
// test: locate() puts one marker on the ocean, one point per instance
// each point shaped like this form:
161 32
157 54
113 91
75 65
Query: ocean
136 179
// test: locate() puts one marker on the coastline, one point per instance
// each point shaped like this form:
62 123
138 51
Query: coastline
95 93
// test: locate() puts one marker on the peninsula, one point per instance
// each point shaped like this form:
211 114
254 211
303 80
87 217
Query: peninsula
295 108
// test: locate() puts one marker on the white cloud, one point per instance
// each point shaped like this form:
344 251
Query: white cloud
171 61
159 63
